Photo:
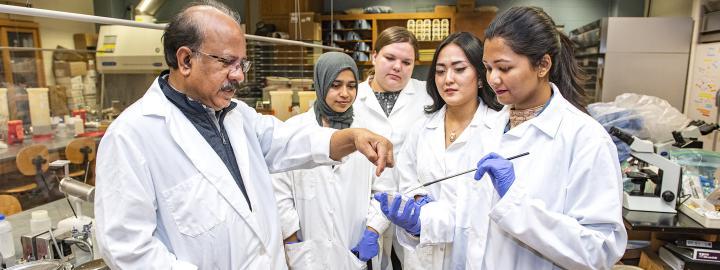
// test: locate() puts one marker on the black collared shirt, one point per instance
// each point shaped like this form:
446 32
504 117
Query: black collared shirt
210 125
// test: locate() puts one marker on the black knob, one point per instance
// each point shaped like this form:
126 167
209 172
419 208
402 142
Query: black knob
668 196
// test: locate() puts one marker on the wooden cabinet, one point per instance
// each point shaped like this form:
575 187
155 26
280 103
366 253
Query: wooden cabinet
378 23
20 67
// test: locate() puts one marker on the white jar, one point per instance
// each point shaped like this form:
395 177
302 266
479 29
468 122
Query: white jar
40 222
7 246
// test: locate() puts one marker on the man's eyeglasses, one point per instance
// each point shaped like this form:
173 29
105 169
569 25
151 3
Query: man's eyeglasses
234 65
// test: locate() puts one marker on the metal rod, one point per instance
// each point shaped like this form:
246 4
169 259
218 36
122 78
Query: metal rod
461 173
36 12
53 14
47 49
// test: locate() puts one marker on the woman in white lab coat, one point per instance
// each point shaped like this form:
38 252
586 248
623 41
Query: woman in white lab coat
389 102
326 213
446 143
560 207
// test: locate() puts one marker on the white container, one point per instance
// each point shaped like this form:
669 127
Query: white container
307 99
61 131
7 246
39 110
4 104
280 102
40 222
79 127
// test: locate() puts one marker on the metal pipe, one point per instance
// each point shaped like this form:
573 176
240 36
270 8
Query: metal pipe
149 7
36 12
47 49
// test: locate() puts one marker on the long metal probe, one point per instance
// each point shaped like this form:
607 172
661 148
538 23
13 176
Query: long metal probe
460 173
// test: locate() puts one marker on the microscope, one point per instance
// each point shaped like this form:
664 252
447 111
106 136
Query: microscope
687 137
651 167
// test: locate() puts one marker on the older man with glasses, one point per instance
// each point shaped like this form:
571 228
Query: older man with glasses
183 175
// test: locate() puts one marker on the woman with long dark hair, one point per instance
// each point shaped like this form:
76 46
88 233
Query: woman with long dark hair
446 143
561 206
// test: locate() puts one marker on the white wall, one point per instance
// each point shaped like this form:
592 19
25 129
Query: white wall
60 32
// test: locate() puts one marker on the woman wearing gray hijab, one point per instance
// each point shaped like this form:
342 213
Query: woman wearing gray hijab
326 215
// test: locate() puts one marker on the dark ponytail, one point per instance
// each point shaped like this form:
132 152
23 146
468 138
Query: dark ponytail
531 32
568 76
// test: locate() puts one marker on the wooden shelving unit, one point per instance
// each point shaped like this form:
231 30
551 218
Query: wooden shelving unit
380 22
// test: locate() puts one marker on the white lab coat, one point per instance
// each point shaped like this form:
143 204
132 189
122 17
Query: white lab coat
425 158
408 109
563 210
328 206
165 200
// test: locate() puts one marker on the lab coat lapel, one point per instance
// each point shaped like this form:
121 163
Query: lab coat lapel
435 128
205 160
212 167
234 125
404 98
367 96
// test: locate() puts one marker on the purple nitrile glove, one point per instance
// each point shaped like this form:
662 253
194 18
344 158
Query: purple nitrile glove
368 246
408 219
499 169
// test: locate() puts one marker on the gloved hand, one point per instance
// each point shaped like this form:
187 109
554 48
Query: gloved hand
423 200
500 170
409 219
368 246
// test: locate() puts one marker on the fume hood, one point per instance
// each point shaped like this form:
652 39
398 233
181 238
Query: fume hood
124 49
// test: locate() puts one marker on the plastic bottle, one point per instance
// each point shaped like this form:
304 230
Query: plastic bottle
40 222
7 246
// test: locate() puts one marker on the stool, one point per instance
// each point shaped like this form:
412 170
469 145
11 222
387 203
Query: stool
32 160
9 205
81 151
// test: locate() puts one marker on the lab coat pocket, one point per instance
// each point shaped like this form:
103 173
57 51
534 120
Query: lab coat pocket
194 205
355 263
300 255
307 184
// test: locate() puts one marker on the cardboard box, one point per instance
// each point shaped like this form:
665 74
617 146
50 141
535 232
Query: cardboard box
64 81
69 56
69 69
309 29
84 41
61 69
58 101
78 69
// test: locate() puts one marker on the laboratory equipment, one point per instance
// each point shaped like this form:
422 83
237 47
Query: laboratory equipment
40 112
15 132
98 264
699 184
42 265
72 239
687 137
460 173
656 168
7 249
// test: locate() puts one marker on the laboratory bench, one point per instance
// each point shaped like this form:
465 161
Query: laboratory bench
663 227
57 210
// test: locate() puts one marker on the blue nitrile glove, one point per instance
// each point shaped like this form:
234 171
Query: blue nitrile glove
368 246
423 200
409 219
500 170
